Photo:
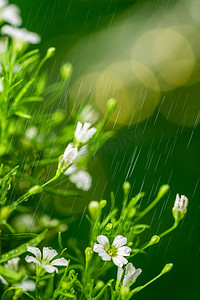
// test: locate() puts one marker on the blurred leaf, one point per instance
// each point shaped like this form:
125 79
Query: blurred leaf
10 275
5 184
22 248
22 115
17 236
30 99
61 193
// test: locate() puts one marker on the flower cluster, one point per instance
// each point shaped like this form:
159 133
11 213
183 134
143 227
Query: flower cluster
11 14
68 161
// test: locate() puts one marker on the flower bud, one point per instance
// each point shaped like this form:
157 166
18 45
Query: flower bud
64 285
5 213
111 105
66 71
124 291
167 268
163 190
35 190
126 187
154 240
103 203
93 208
109 227
50 52
100 284
88 254
180 207
132 212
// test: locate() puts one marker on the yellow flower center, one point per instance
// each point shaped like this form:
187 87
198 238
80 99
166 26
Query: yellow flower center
111 250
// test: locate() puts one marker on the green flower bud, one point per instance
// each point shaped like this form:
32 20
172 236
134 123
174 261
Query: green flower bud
35 190
124 291
163 190
103 203
132 212
50 52
88 254
111 105
154 240
167 268
100 284
109 227
5 213
66 71
126 187
64 285
93 208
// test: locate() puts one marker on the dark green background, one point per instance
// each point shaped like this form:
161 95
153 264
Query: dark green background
147 155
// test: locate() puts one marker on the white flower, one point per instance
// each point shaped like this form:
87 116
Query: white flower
131 274
81 179
45 260
68 157
116 251
1 84
10 13
21 34
83 151
3 3
88 114
83 133
27 285
180 206
13 264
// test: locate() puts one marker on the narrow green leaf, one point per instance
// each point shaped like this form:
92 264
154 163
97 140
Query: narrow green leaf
22 248
23 92
10 275
30 99
17 236
22 115
61 193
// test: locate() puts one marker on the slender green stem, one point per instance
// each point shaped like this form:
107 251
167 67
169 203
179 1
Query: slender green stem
170 229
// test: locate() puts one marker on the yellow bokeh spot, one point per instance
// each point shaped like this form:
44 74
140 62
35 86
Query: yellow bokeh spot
130 84
173 57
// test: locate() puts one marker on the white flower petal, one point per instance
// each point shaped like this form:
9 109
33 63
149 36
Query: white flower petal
50 268
27 285
119 241
86 126
98 248
59 262
78 129
130 269
131 274
36 251
105 256
83 133
103 240
91 132
81 179
30 259
11 14
48 254
21 34
71 170
120 272
124 251
119 261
